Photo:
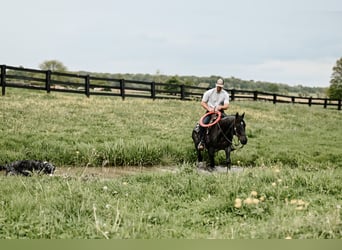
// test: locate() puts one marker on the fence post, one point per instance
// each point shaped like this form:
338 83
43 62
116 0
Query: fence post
293 99
310 101
255 95
3 79
153 90
339 105
274 98
87 85
122 88
48 81
233 94
182 91
325 102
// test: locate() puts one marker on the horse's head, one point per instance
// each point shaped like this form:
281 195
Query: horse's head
239 128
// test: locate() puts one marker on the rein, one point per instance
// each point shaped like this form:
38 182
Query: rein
234 146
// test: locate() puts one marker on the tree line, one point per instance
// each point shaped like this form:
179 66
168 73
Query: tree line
333 92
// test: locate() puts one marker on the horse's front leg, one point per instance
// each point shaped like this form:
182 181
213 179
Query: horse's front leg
211 154
199 159
228 151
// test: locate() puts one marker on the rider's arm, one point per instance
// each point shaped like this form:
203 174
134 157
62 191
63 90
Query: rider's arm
225 103
205 100
222 107
205 106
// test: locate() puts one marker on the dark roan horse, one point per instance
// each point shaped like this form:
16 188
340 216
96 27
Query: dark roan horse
220 137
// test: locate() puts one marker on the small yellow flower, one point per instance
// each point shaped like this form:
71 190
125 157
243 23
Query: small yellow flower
262 198
238 203
248 201
254 193
124 183
255 201
105 188
301 203
274 184
288 238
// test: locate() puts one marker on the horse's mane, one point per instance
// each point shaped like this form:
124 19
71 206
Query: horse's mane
228 117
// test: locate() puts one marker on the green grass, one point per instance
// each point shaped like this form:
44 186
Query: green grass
292 161
168 205
77 131
73 130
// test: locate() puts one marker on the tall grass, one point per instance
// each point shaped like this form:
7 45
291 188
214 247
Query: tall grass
276 203
77 131
290 186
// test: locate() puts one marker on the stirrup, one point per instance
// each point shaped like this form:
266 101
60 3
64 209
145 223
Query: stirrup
200 146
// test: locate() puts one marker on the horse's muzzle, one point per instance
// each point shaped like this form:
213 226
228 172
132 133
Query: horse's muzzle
243 140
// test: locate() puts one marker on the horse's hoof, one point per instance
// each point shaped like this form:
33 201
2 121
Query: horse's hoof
201 165
211 169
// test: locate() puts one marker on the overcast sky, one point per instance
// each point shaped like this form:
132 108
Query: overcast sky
293 41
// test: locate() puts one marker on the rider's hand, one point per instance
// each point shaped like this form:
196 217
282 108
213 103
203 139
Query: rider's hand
217 108
210 109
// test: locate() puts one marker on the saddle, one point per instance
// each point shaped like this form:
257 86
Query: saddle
198 127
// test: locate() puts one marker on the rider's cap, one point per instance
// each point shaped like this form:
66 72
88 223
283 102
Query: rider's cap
219 83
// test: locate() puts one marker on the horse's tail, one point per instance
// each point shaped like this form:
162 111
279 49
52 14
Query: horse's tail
2 168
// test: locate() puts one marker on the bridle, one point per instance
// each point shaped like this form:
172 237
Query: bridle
234 146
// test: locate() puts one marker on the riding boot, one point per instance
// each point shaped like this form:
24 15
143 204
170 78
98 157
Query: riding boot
201 144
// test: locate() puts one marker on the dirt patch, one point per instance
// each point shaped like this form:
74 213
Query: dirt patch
220 170
109 172
115 172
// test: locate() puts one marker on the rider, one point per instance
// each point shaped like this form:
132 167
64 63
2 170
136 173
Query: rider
215 99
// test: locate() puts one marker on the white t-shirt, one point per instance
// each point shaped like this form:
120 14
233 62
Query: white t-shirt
214 98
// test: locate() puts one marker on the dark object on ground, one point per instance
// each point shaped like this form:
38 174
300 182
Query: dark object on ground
28 167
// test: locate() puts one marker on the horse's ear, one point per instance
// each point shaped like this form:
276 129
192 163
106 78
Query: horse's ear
237 115
243 115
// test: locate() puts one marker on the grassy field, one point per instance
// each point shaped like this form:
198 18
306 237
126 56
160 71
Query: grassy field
290 186
71 130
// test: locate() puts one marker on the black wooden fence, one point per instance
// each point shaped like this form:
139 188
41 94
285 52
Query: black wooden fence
19 77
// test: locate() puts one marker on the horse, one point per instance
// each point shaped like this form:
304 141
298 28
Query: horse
219 137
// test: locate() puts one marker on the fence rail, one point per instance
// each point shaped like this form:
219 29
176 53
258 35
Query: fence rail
46 80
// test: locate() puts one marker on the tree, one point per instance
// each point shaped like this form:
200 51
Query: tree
53 65
173 84
335 89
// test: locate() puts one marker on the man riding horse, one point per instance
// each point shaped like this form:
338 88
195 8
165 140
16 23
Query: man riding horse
215 99
215 133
